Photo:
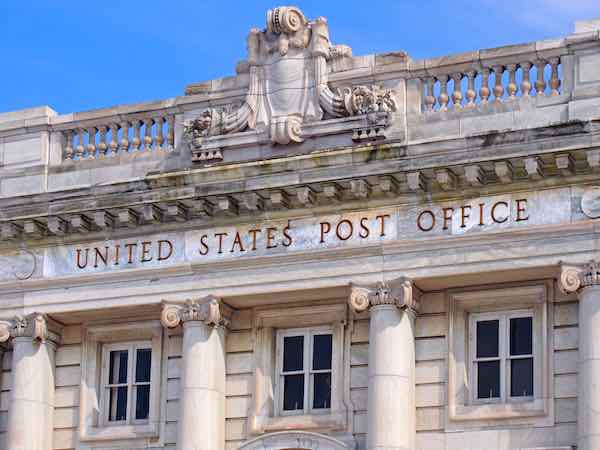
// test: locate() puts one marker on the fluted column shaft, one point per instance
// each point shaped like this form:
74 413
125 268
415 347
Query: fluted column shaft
201 423
585 280
391 421
31 408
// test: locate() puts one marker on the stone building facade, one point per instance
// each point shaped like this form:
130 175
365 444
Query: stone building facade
324 251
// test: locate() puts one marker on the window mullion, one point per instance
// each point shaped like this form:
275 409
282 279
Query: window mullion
308 349
130 374
504 353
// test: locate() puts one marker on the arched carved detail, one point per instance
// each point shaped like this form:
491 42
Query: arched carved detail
400 292
297 440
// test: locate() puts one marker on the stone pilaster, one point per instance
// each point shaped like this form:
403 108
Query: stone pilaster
585 281
31 409
391 423
202 396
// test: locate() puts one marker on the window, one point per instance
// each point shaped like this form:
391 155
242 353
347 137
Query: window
301 369
122 382
305 370
502 356
127 374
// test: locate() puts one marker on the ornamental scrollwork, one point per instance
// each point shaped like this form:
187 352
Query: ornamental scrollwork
209 310
400 292
574 277
37 326
287 65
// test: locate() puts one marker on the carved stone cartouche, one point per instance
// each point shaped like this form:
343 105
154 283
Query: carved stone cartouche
287 65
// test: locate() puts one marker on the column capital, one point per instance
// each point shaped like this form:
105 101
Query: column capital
574 277
36 326
400 292
210 310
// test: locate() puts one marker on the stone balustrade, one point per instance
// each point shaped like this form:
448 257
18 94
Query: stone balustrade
481 85
468 81
119 134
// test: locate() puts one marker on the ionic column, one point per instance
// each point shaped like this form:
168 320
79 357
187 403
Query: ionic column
31 408
585 280
391 423
201 423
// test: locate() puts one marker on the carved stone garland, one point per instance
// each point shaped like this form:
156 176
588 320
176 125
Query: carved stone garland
400 292
209 310
287 64
37 326
575 277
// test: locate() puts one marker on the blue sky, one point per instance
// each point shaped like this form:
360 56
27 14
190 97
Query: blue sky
75 55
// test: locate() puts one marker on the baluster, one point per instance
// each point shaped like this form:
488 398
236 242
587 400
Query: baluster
91 146
159 140
443 97
540 83
136 141
471 94
525 83
102 146
498 88
554 80
69 144
125 137
80 148
512 82
171 132
484 91
429 98
457 92
148 133
114 139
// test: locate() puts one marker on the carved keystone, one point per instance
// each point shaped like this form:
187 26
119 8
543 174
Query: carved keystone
534 167
279 200
416 181
504 171
360 188
566 164
475 175
446 179
57 226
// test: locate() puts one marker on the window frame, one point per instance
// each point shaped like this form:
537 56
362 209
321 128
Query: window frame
264 416
98 338
308 371
504 355
132 347
464 411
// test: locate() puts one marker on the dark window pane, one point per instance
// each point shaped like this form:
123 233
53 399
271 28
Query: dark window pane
142 365
521 377
142 402
487 338
488 379
118 367
293 392
521 336
322 391
293 353
322 351
117 404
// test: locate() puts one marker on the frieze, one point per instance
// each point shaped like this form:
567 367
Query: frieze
302 234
